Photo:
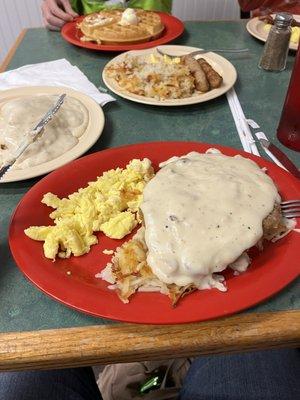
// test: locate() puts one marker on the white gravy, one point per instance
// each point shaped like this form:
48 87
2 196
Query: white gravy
18 116
201 212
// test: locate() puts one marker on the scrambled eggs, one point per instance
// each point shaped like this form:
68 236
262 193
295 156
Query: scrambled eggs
295 36
110 204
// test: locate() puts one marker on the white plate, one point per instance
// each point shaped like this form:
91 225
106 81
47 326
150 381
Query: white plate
256 28
220 64
89 137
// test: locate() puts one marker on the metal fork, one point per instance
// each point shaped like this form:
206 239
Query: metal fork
203 51
290 208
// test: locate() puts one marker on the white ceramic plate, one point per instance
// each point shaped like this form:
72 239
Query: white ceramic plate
256 28
220 64
89 137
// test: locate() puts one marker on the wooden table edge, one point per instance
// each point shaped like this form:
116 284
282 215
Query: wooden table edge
12 50
106 344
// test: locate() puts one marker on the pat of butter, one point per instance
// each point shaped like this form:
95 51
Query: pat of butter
170 60
129 17
166 59
153 59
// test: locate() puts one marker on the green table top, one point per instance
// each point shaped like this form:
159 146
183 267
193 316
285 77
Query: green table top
24 307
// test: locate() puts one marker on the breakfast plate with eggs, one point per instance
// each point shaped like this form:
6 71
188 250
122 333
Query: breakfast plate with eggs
147 77
190 229
260 28
122 30
74 129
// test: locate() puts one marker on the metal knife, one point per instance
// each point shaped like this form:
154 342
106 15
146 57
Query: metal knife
279 154
35 133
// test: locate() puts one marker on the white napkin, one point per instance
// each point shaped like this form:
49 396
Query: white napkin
53 73
241 123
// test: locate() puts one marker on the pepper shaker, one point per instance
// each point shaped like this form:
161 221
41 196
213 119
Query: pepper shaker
277 45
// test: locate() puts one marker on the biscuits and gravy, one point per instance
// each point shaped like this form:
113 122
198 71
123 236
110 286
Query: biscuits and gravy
19 115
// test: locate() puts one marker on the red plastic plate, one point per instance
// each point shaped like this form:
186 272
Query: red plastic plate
173 28
269 272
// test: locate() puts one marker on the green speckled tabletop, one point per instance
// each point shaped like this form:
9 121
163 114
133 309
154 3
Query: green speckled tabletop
24 307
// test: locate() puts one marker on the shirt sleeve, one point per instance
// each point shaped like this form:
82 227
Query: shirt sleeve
156 5
271 5
249 5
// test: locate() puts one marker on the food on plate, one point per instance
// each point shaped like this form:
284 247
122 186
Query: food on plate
269 21
117 27
295 36
161 77
129 272
201 213
214 79
201 82
110 204
18 116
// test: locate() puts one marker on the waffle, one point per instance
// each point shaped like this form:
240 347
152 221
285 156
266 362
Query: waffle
104 27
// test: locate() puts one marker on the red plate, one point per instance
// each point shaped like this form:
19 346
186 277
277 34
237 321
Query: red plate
269 272
173 28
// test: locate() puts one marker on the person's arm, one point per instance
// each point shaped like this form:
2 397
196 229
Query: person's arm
56 13
249 5
156 5
270 5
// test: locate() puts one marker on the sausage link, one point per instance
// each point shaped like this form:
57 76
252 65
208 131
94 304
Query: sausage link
201 82
215 80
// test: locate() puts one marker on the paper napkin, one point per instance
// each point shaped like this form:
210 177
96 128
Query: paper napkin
53 73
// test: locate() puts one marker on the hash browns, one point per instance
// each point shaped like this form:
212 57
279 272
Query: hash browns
129 272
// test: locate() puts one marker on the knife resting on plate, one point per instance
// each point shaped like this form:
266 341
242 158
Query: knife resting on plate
278 155
35 133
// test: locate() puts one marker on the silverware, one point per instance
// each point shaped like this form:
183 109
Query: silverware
32 135
280 156
203 51
290 208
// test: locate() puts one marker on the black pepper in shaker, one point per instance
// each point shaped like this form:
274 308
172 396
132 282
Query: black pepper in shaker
277 45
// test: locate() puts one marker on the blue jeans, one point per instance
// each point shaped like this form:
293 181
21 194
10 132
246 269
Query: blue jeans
266 375
64 384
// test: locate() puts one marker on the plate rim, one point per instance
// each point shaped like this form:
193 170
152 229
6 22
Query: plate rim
201 98
169 19
251 27
288 278
90 135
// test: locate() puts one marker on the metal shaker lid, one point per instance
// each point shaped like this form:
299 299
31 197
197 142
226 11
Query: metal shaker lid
283 19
